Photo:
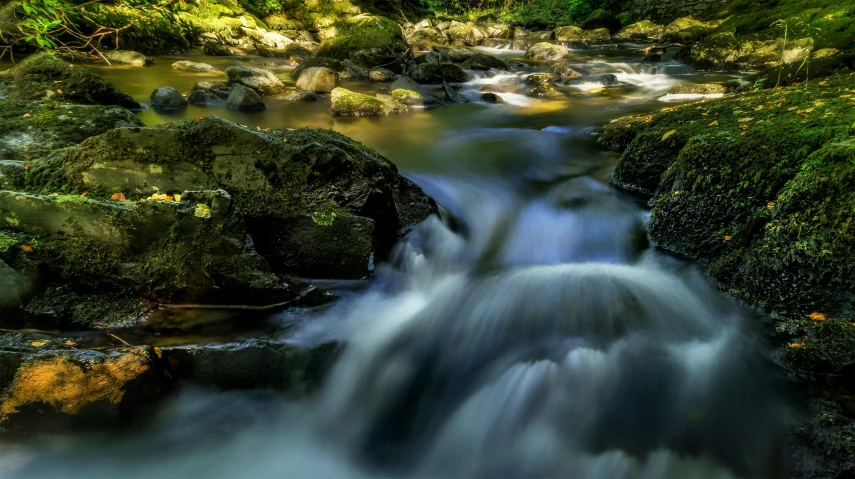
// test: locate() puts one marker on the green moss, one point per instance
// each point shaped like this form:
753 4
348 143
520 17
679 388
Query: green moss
348 103
362 32
71 199
7 242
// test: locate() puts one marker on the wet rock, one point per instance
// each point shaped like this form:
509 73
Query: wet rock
609 79
425 39
459 54
600 18
193 67
49 387
317 79
577 35
348 103
481 61
491 98
267 39
220 89
698 89
204 98
46 77
438 73
167 98
644 31
494 42
268 180
300 96
32 129
547 51
128 57
563 71
381 75
544 91
411 93
263 51
541 79
451 95
242 98
429 57
502 32
263 81
253 364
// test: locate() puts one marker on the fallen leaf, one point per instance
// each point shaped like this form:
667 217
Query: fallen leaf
57 81
797 345
715 123
27 248
26 115
745 120
26 166
198 118
728 238
38 344
84 194
118 197
817 316
177 197
668 134
58 91
202 210
770 205
69 343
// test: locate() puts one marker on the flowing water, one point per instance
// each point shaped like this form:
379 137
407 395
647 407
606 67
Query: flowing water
531 332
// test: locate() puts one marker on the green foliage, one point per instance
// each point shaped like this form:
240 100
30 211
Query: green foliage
551 12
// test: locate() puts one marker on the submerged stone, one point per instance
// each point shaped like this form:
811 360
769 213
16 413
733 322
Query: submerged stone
263 81
128 57
168 98
547 51
194 67
437 73
242 98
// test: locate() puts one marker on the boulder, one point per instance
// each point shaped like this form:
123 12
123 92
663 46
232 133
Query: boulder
451 94
411 93
368 41
381 75
463 34
263 51
167 98
541 79
267 39
335 65
263 81
348 103
425 39
193 67
438 73
273 184
644 31
458 54
687 30
600 18
204 98
44 76
303 96
128 57
482 61
221 89
547 51
608 79
242 98
296 54
563 71
491 98
216 49
431 57
498 31
317 79
32 129
577 35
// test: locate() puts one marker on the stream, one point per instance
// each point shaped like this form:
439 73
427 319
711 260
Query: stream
531 332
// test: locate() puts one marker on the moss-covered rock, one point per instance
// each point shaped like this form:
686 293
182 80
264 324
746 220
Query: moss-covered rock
758 186
687 30
577 35
600 18
406 87
482 61
368 41
194 67
263 81
276 176
643 30
348 103
30 129
46 77
463 34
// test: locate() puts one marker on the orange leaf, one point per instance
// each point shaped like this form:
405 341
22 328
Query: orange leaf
118 197
58 91
84 194
770 205
728 238
26 115
797 345
817 316
27 248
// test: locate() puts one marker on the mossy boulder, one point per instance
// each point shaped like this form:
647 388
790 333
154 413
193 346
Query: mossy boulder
758 186
368 41
317 80
243 98
348 103
687 30
436 73
407 89
463 34
643 30
482 61
577 35
318 177
698 89
194 67
30 129
44 76
167 99
129 57
547 51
